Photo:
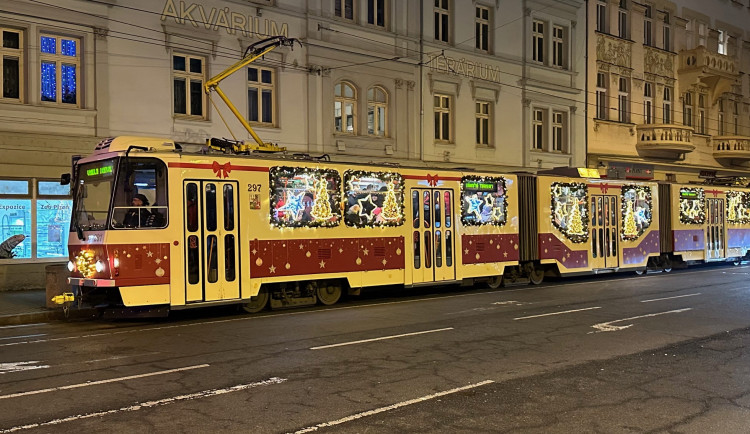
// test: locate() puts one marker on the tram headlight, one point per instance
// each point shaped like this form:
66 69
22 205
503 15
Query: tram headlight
99 266
71 266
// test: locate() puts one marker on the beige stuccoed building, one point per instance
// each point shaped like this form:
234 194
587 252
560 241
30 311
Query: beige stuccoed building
668 89
487 84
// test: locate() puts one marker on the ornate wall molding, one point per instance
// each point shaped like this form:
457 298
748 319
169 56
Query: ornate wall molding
658 62
614 50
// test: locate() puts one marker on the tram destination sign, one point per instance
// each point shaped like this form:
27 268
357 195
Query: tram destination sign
104 169
480 186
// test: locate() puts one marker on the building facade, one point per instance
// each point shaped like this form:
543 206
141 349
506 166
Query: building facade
487 84
668 89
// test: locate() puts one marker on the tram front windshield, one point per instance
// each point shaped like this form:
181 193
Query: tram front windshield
120 193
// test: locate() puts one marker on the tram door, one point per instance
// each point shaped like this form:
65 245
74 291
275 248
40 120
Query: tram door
714 228
604 234
212 263
433 240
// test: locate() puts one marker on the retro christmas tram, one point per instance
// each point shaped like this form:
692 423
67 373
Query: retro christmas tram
266 229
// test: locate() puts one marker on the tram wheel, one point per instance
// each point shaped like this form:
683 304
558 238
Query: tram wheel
737 262
536 276
257 303
329 293
640 272
495 282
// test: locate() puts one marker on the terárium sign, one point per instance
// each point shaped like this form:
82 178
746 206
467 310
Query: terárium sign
222 18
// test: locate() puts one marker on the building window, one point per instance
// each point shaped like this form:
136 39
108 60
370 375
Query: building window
601 95
483 115
376 12
648 26
558 46
702 114
667 105
344 9
538 41
736 117
623 97
702 34
29 203
623 19
261 83
442 20
61 60
537 126
558 131
667 33
601 16
648 103
443 117
345 104
687 109
723 42
377 111
721 117
482 28
188 79
11 63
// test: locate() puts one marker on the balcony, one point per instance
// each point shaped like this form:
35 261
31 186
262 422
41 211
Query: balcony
731 150
664 140
717 71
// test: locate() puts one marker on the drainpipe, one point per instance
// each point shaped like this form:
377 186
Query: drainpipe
586 92
421 81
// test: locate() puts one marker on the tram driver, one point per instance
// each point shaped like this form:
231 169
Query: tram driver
138 216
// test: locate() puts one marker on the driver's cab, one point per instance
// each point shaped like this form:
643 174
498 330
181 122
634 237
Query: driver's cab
140 194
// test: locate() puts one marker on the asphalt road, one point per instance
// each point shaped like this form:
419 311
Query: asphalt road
659 353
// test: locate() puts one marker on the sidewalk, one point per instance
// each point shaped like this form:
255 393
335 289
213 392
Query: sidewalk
26 307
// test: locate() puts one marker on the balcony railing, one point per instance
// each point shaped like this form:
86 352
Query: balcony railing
664 140
709 63
731 149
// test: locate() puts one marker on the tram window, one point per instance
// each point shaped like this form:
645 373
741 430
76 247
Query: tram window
448 249
373 199
191 206
427 249
482 201
141 178
438 249
600 215
211 207
228 207
438 213
417 251
415 208
229 270
612 213
304 197
594 245
614 241
427 208
212 259
447 207
193 260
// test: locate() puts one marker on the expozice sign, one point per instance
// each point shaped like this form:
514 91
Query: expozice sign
222 18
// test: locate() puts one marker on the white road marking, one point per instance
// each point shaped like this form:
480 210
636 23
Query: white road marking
556 313
7 368
670 298
23 325
510 303
23 337
380 339
148 404
95 383
391 407
608 327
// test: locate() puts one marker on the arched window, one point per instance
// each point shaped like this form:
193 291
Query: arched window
345 105
377 111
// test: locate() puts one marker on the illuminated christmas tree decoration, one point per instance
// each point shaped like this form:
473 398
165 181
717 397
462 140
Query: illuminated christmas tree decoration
304 197
373 199
321 209
391 209
483 200
738 207
568 210
636 210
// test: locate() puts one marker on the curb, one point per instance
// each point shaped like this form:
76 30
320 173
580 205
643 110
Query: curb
51 315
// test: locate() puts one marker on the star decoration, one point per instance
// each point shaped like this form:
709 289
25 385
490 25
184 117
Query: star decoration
150 254
367 213
475 205
466 251
322 264
365 252
293 205
272 269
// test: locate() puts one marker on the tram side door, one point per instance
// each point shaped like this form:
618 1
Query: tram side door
212 262
603 213
715 228
433 236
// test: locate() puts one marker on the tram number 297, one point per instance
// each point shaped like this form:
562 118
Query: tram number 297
253 187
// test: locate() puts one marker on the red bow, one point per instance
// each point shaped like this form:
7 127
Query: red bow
432 180
222 170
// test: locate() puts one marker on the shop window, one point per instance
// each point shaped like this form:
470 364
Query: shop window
373 199
305 197
483 201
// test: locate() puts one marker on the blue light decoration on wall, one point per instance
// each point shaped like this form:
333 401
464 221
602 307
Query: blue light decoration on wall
68 47
68 84
49 45
49 81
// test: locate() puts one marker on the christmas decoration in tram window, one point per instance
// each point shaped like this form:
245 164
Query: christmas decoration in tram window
569 211
305 197
738 207
483 200
373 199
692 206
636 207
